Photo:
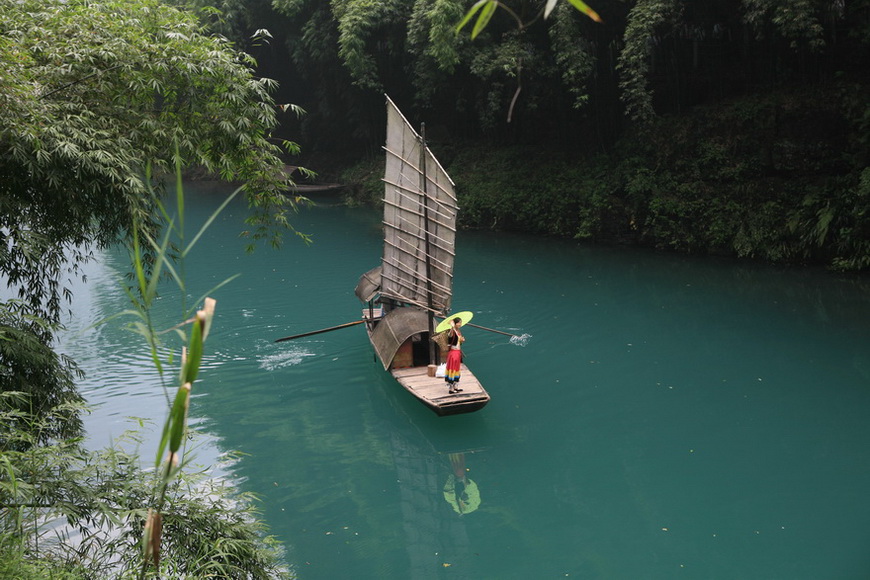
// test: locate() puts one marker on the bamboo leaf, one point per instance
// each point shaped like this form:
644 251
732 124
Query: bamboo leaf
470 14
194 353
137 265
164 441
178 417
582 7
209 221
161 251
217 287
179 189
484 18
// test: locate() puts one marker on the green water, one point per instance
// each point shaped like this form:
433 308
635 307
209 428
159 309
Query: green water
668 417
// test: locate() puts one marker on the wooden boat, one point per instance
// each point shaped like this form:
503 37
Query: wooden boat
414 282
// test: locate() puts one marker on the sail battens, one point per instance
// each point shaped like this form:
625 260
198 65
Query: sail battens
409 247
417 278
416 282
441 249
408 289
441 244
448 192
412 161
437 264
448 217
416 226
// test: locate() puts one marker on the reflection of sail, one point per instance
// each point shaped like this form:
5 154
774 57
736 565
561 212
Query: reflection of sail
432 530
434 535
419 220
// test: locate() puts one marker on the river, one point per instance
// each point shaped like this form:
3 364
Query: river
665 416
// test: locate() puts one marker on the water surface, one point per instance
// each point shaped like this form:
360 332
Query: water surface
669 417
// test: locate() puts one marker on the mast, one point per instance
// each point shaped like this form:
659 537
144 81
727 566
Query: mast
425 200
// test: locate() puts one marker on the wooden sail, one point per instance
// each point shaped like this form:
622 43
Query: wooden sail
419 220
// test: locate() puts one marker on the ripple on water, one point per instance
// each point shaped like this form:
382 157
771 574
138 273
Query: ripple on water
521 340
283 358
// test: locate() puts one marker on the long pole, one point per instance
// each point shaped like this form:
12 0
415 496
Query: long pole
331 328
491 330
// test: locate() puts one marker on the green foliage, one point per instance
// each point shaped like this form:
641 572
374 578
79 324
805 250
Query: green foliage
433 46
175 429
413 48
759 178
431 35
853 227
549 71
364 179
499 67
95 94
795 20
545 194
359 24
209 531
646 20
484 9
838 225
91 92
35 380
235 19
573 53
185 524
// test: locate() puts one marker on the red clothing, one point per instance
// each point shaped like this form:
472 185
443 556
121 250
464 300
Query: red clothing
454 359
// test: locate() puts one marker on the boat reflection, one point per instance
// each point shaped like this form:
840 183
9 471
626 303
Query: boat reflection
438 472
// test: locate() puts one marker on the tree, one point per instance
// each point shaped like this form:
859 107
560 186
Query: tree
35 381
130 522
645 20
92 92
350 51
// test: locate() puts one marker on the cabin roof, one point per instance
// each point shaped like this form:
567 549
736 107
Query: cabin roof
369 284
395 328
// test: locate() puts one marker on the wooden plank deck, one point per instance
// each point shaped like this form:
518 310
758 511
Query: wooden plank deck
433 390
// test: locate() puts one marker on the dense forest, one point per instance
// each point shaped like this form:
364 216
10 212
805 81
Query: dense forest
734 127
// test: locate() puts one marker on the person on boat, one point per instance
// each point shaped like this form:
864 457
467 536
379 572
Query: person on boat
454 356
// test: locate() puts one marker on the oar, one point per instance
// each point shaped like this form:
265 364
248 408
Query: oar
491 330
345 325
485 328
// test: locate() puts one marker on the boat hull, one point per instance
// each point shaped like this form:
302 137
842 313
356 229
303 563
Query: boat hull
433 391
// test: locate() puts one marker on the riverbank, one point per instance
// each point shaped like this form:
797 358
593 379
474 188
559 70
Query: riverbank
780 177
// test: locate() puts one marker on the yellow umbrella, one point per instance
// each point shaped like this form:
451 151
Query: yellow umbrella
465 501
465 316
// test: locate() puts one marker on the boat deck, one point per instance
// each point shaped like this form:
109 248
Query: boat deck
432 391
